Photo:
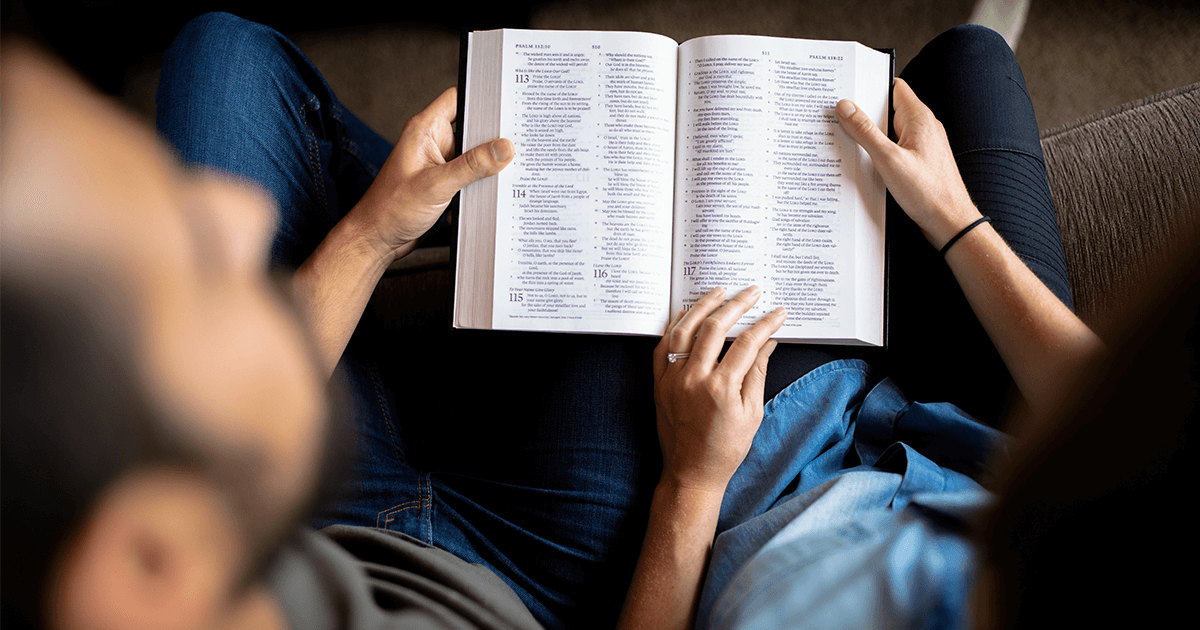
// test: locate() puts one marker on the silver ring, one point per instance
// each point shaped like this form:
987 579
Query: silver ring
675 356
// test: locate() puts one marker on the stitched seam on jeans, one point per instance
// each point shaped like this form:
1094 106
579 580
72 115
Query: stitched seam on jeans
351 146
314 164
395 509
387 416
1006 150
427 507
1021 85
356 151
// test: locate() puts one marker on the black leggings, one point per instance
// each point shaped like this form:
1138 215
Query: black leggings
937 349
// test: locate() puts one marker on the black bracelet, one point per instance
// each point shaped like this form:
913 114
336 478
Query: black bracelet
963 233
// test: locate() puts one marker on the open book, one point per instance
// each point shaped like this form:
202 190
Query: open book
647 172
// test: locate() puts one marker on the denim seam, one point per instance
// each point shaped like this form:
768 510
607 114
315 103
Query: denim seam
348 144
1021 85
387 417
832 367
395 509
426 494
353 149
1007 150
313 163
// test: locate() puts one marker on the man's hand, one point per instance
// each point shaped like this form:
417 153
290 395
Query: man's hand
708 412
417 182
918 168
407 197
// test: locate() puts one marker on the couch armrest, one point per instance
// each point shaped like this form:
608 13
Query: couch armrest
1126 184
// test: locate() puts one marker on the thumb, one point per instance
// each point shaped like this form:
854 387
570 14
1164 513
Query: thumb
862 129
483 161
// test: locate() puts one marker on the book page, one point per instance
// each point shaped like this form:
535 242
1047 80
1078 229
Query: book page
583 224
772 192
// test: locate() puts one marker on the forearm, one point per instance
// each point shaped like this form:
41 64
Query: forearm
1039 339
334 285
666 584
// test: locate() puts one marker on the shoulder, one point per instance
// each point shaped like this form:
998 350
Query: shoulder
350 577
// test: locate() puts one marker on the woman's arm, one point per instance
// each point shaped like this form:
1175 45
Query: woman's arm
1040 340
411 191
708 413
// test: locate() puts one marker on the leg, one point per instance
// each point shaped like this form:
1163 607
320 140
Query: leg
532 454
938 350
969 77
239 97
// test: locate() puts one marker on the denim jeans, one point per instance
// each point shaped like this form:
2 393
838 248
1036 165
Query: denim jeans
533 454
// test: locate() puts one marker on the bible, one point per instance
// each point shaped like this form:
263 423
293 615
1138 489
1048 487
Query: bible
648 172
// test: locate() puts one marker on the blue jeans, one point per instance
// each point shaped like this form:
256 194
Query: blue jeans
532 454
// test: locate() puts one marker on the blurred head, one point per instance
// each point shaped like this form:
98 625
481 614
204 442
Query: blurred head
163 416
1093 521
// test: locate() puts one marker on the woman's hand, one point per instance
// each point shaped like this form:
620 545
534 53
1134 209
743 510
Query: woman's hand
417 182
708 412
1043 344
919 168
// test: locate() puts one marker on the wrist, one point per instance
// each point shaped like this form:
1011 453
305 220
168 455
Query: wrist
950 223
364 236
695 486
687 505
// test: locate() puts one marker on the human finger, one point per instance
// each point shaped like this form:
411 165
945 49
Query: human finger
683 335
435 122
663 347
444 107
715 328
482 161
745 348
863 130
910 111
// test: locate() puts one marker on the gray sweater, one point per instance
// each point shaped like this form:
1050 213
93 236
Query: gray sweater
360 577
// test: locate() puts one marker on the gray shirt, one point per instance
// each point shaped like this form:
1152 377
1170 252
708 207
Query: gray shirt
360 577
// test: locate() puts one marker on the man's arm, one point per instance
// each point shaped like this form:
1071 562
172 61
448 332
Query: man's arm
708 413
411 191
1040 340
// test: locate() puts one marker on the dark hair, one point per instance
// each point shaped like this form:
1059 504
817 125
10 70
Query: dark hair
75 418
1094 522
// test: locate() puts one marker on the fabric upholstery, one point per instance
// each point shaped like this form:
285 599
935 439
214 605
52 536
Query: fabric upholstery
1126 183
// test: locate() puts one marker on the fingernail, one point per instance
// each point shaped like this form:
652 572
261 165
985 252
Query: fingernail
845 109
502 150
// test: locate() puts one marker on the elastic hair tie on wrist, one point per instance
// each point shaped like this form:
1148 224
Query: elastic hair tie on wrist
946 247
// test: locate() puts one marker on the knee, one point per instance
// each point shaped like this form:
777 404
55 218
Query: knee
963 53
220 71
970 39
217 45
